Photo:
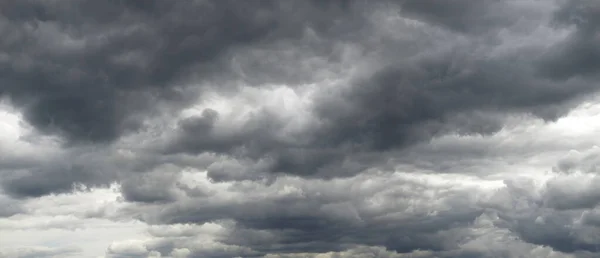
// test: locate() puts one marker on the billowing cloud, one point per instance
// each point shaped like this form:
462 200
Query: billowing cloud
299 128
90 76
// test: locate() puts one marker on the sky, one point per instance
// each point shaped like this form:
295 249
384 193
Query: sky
300 129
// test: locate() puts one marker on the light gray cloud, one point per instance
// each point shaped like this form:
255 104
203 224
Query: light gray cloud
39 252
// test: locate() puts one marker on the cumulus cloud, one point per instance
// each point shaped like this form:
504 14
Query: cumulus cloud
335 128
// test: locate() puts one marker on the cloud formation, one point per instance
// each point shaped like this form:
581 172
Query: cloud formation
333 128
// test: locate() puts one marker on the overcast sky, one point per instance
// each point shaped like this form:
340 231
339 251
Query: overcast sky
300 129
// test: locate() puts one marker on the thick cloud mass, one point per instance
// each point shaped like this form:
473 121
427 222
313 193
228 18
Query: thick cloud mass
85 69
336 128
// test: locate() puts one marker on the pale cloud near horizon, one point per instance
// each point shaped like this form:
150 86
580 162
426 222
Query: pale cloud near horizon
284 129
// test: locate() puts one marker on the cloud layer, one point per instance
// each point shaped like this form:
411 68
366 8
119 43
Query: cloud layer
299 128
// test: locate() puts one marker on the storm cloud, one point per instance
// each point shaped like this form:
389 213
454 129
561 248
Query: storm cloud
336 128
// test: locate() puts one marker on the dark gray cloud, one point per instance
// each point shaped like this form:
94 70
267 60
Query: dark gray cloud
396 107
403 105
61 172
295 216
117 84
410 100
149 187
579 54
560 214
320 217
86 70
460 15
9 207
